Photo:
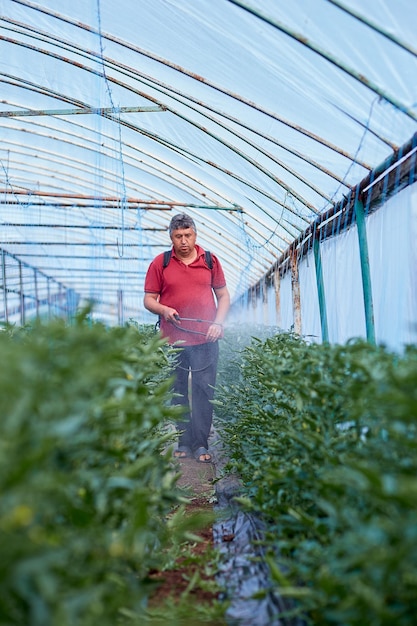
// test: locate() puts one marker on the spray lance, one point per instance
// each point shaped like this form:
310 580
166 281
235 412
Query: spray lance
192 319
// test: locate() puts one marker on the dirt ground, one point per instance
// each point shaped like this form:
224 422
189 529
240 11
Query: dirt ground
197 476
197 480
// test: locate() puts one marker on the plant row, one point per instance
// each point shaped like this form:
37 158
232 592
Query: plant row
85 491
324 439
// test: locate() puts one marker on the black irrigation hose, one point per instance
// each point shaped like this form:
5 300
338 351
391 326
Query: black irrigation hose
187 319
194 332
188 330
192 319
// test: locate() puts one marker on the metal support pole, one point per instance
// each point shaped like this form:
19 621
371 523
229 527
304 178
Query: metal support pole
70 308
320 290
366 273
35 280
22 297
254 303
277 287
3 270
120 307
60 305
48 293
296 298
265 317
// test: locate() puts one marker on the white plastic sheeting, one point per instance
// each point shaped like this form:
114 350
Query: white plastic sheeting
391 233
254 117
394 277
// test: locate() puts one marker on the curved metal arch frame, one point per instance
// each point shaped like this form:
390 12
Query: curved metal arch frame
256 233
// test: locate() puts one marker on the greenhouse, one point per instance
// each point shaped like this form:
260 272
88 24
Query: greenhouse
286 129
288 132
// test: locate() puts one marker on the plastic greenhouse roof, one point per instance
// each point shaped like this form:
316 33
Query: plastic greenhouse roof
253 117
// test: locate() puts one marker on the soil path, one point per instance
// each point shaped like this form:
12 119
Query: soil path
197 477
197 481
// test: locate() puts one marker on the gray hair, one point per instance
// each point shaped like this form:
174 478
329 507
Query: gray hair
181 220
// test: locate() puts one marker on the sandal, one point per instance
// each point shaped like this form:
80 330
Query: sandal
182 452
202 452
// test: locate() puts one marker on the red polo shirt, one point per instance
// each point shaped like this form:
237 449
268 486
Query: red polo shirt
189 290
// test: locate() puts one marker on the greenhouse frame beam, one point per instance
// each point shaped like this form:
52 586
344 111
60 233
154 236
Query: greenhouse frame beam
169 144
279 182
75 270
178 68
120 245
104 111
136 163
262 135
366 82
188 186
82 226
70 244
374 26
90 289
246 140
229 207
113 283
105 257
401 170
86 257
162 205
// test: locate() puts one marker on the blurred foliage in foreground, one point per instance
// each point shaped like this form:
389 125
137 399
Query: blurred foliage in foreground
85 490
325 440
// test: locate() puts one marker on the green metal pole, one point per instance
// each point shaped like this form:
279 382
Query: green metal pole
366 273
320 290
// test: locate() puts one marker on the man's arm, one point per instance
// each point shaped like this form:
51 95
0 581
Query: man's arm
223 304
152 304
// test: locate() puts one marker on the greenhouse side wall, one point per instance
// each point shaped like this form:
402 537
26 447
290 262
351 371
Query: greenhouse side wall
391 235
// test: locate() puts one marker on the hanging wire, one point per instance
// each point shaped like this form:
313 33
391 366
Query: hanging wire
123 199
116 110
352 163
336 219
248 247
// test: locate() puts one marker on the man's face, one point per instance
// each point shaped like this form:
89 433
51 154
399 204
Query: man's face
183 241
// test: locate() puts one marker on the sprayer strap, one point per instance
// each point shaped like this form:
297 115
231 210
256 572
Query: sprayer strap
168 254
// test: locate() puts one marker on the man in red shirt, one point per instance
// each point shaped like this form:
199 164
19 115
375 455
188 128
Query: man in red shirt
192 302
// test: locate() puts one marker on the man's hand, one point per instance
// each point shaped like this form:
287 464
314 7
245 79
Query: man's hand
152 304
171 315
214 332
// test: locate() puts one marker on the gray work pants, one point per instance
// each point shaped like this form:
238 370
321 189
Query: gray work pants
196 372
